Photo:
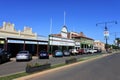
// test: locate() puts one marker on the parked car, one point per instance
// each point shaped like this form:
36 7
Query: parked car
91 51
23 55
4 56
58 53
80 51
98 50
43 54
85 50
66 53
73 51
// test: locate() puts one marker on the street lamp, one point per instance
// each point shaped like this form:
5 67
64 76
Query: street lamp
106 32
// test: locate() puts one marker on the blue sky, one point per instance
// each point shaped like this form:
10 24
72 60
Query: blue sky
81 16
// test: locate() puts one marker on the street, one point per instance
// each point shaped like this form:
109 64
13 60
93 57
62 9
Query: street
106 68
15 67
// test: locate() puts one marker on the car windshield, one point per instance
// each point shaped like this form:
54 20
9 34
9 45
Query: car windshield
59 52
23 52
65 51
43 52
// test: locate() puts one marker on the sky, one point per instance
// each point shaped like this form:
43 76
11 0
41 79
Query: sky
81 16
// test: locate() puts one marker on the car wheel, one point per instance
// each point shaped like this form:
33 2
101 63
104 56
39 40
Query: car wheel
31 58
17 60
9 59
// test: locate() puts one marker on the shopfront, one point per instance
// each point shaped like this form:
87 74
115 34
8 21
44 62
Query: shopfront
81 40
14 45
15 41
57 43
87 43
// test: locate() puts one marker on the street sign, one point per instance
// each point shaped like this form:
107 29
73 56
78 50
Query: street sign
106 33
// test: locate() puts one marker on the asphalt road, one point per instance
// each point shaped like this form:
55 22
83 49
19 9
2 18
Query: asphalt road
15 67
107 68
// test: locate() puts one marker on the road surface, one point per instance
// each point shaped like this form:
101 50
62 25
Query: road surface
106 68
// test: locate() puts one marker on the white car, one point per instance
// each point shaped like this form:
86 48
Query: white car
23 55
91 51
73 51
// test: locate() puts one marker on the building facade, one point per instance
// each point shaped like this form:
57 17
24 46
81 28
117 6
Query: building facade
15 41
81 40
99 45
69 40
60 41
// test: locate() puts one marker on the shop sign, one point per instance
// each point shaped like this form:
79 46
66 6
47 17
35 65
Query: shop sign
43 43
60 43
87 42
60 39
30 42
15 41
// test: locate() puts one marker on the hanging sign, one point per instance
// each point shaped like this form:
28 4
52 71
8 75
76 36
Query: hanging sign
106 33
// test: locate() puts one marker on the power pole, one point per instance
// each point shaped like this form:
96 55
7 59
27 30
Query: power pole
115 34
106 32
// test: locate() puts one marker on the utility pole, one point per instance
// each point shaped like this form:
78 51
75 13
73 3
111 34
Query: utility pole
106 32
115 34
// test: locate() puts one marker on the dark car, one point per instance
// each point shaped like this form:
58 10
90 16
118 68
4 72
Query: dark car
58 53
43 55
4 56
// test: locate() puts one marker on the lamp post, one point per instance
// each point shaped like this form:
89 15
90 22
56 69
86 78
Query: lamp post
106 32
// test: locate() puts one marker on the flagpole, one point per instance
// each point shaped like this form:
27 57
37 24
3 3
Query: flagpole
51 26
64 17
